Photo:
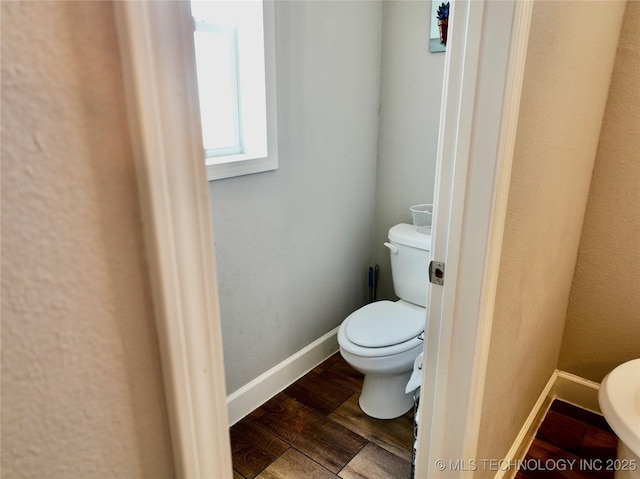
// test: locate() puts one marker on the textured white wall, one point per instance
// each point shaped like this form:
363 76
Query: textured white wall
82 392
410 97
603 319
293 246
563 100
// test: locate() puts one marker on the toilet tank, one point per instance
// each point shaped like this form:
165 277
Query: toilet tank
410 253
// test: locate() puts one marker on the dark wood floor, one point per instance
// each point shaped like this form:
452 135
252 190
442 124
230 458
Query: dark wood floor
315 429
571 443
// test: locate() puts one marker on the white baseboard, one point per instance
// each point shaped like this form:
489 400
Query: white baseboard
561 385
528 431
576 390
244 400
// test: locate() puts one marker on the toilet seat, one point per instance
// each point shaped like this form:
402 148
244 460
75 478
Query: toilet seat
382 328
384 323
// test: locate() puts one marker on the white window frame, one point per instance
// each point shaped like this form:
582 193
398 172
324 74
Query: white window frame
258 151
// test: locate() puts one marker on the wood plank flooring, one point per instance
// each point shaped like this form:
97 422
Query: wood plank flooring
315 429
574 443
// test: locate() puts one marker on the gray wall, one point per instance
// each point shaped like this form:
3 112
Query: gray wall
410 96
293 246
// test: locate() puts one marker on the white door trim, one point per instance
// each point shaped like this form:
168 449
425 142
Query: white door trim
485 62
483 78
166 137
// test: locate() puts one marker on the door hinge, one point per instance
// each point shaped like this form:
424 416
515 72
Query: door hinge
436 272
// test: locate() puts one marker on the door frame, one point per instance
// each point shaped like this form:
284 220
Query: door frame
484 70
162 108
483 77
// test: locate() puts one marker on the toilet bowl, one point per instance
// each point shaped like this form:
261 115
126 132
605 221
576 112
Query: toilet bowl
382 339
619 399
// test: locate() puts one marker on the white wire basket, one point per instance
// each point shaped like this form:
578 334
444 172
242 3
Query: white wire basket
422 217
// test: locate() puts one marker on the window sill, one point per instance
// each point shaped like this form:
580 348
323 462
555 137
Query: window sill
222 167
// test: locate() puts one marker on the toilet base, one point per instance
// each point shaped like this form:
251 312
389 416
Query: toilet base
383 396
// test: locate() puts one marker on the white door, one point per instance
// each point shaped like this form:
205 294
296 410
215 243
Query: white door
483 78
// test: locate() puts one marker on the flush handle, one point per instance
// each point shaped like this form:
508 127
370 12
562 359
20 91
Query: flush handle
392 247
436 272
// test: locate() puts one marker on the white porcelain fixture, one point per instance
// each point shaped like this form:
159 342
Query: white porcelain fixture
619 399
382 339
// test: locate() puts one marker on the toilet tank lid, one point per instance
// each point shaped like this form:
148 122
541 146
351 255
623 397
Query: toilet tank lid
407 234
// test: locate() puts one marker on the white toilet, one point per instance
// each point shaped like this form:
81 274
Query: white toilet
382 339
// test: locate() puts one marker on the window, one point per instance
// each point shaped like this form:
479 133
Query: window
235 53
